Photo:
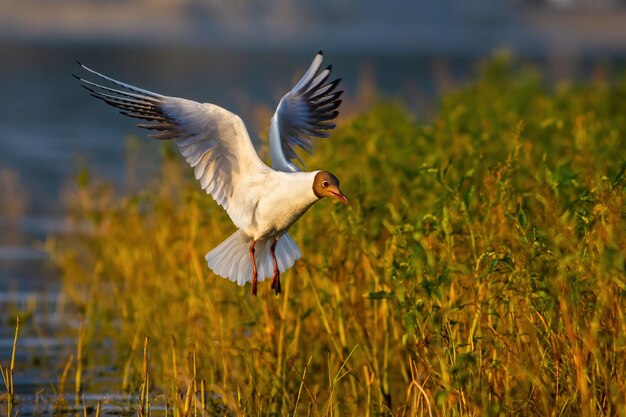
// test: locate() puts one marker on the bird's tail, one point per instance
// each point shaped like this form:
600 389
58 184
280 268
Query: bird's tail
231 259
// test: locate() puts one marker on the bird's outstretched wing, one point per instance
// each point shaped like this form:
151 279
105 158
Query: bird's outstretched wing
303 113
214 141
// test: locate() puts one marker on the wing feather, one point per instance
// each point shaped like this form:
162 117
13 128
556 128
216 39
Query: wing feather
212 140
304 113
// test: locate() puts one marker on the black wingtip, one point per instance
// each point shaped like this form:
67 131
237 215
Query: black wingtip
77 77
329 68
320 52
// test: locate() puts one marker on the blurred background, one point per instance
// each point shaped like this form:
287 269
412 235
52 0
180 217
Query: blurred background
243 55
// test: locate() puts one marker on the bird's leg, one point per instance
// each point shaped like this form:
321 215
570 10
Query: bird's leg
276 277
255 276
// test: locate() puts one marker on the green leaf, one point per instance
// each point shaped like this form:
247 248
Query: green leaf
380 295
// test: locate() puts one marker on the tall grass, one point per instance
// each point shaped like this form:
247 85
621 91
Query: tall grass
480 269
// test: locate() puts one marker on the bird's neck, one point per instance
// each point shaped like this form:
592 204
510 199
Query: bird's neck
300 186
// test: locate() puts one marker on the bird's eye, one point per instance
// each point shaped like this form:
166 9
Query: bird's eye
325 184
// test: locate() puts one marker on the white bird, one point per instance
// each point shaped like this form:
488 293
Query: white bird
262 202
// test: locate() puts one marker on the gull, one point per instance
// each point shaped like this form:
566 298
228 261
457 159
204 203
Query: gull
263 202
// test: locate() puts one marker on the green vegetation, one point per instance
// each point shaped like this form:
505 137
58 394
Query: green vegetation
480 269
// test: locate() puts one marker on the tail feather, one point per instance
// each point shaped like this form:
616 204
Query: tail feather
231 259
287 252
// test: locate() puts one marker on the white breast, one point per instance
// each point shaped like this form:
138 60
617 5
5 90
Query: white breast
288 196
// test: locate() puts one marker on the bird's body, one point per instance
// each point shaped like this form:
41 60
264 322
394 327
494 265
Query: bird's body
289 197
262 202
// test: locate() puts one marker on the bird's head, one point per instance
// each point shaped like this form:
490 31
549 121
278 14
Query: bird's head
326 184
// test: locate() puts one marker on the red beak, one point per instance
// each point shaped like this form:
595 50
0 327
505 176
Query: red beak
339 196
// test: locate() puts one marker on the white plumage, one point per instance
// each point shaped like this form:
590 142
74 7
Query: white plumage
227 261
262 202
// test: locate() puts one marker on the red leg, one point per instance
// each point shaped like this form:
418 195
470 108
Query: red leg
255 276
276 278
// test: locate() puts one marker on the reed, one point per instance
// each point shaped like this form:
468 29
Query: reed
78 377
7 373
60 403
143 410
